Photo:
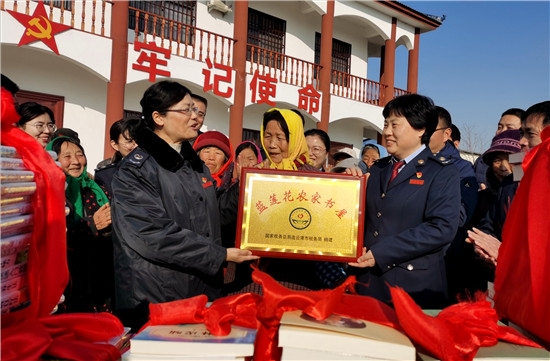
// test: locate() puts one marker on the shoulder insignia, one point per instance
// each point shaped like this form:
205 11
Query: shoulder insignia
137 157
441 160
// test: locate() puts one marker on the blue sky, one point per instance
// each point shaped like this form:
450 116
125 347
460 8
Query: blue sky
486 57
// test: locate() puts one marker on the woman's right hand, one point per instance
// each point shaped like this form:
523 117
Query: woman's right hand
102 217
239 255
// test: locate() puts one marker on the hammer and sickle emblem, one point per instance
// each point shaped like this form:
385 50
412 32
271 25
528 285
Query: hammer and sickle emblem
43 33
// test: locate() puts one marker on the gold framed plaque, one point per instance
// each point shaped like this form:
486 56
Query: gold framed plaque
306 215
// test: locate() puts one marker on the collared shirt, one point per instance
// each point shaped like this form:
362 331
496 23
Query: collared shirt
410 157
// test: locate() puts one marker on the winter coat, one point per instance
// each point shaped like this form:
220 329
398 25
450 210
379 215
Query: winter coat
166 223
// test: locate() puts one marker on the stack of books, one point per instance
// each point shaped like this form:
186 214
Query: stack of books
341 338
190 342
16 189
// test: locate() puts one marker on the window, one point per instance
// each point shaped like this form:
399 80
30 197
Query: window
341 55
180 12
65 5
265 32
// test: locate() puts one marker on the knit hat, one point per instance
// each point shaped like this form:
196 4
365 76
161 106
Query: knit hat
213 138
505 142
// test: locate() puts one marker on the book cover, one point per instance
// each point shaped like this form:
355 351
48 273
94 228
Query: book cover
129 356
17 271
15 244
344 335
193 340
15 300
16 176
8 152
13 284
502 351
16 209
301 354
10 226
12 163
17 189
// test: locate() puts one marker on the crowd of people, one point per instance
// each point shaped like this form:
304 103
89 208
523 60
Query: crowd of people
157 221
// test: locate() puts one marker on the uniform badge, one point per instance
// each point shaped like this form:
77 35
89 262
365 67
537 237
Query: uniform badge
421 161
138 156
418 174
442 158
418 182
204 180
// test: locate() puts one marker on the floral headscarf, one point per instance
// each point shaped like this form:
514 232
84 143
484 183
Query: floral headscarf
298 151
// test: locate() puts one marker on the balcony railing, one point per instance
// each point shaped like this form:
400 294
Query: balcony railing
182 39
353 87
286 69
85 15
398 92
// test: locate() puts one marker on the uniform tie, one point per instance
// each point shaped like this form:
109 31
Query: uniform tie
395 169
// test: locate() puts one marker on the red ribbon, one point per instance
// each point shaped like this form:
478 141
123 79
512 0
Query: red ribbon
458 331
239 310
278 299
66 337
455 334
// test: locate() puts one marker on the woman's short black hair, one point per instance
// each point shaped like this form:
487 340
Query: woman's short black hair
122 126
159 97
58 142
30 110
321 134
278 117
419 110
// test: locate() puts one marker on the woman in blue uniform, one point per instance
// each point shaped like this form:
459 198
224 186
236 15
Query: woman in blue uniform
412 209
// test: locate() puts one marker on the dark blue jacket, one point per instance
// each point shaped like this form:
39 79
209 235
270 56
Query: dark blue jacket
493 222
468 183
408 225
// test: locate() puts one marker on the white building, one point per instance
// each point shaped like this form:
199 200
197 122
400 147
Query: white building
310 54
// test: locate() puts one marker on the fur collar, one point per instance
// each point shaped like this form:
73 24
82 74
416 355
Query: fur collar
165 155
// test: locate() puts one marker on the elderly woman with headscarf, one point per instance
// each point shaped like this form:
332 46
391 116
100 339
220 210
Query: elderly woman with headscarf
89 245
283 139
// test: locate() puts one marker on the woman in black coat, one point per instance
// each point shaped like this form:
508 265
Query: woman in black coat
166 213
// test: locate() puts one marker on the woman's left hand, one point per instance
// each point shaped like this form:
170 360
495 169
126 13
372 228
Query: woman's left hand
102 218
366 260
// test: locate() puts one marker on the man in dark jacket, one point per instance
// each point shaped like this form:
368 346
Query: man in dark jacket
459 258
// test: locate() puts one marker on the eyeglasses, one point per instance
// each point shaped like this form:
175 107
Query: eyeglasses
41 126
188 111
317 150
